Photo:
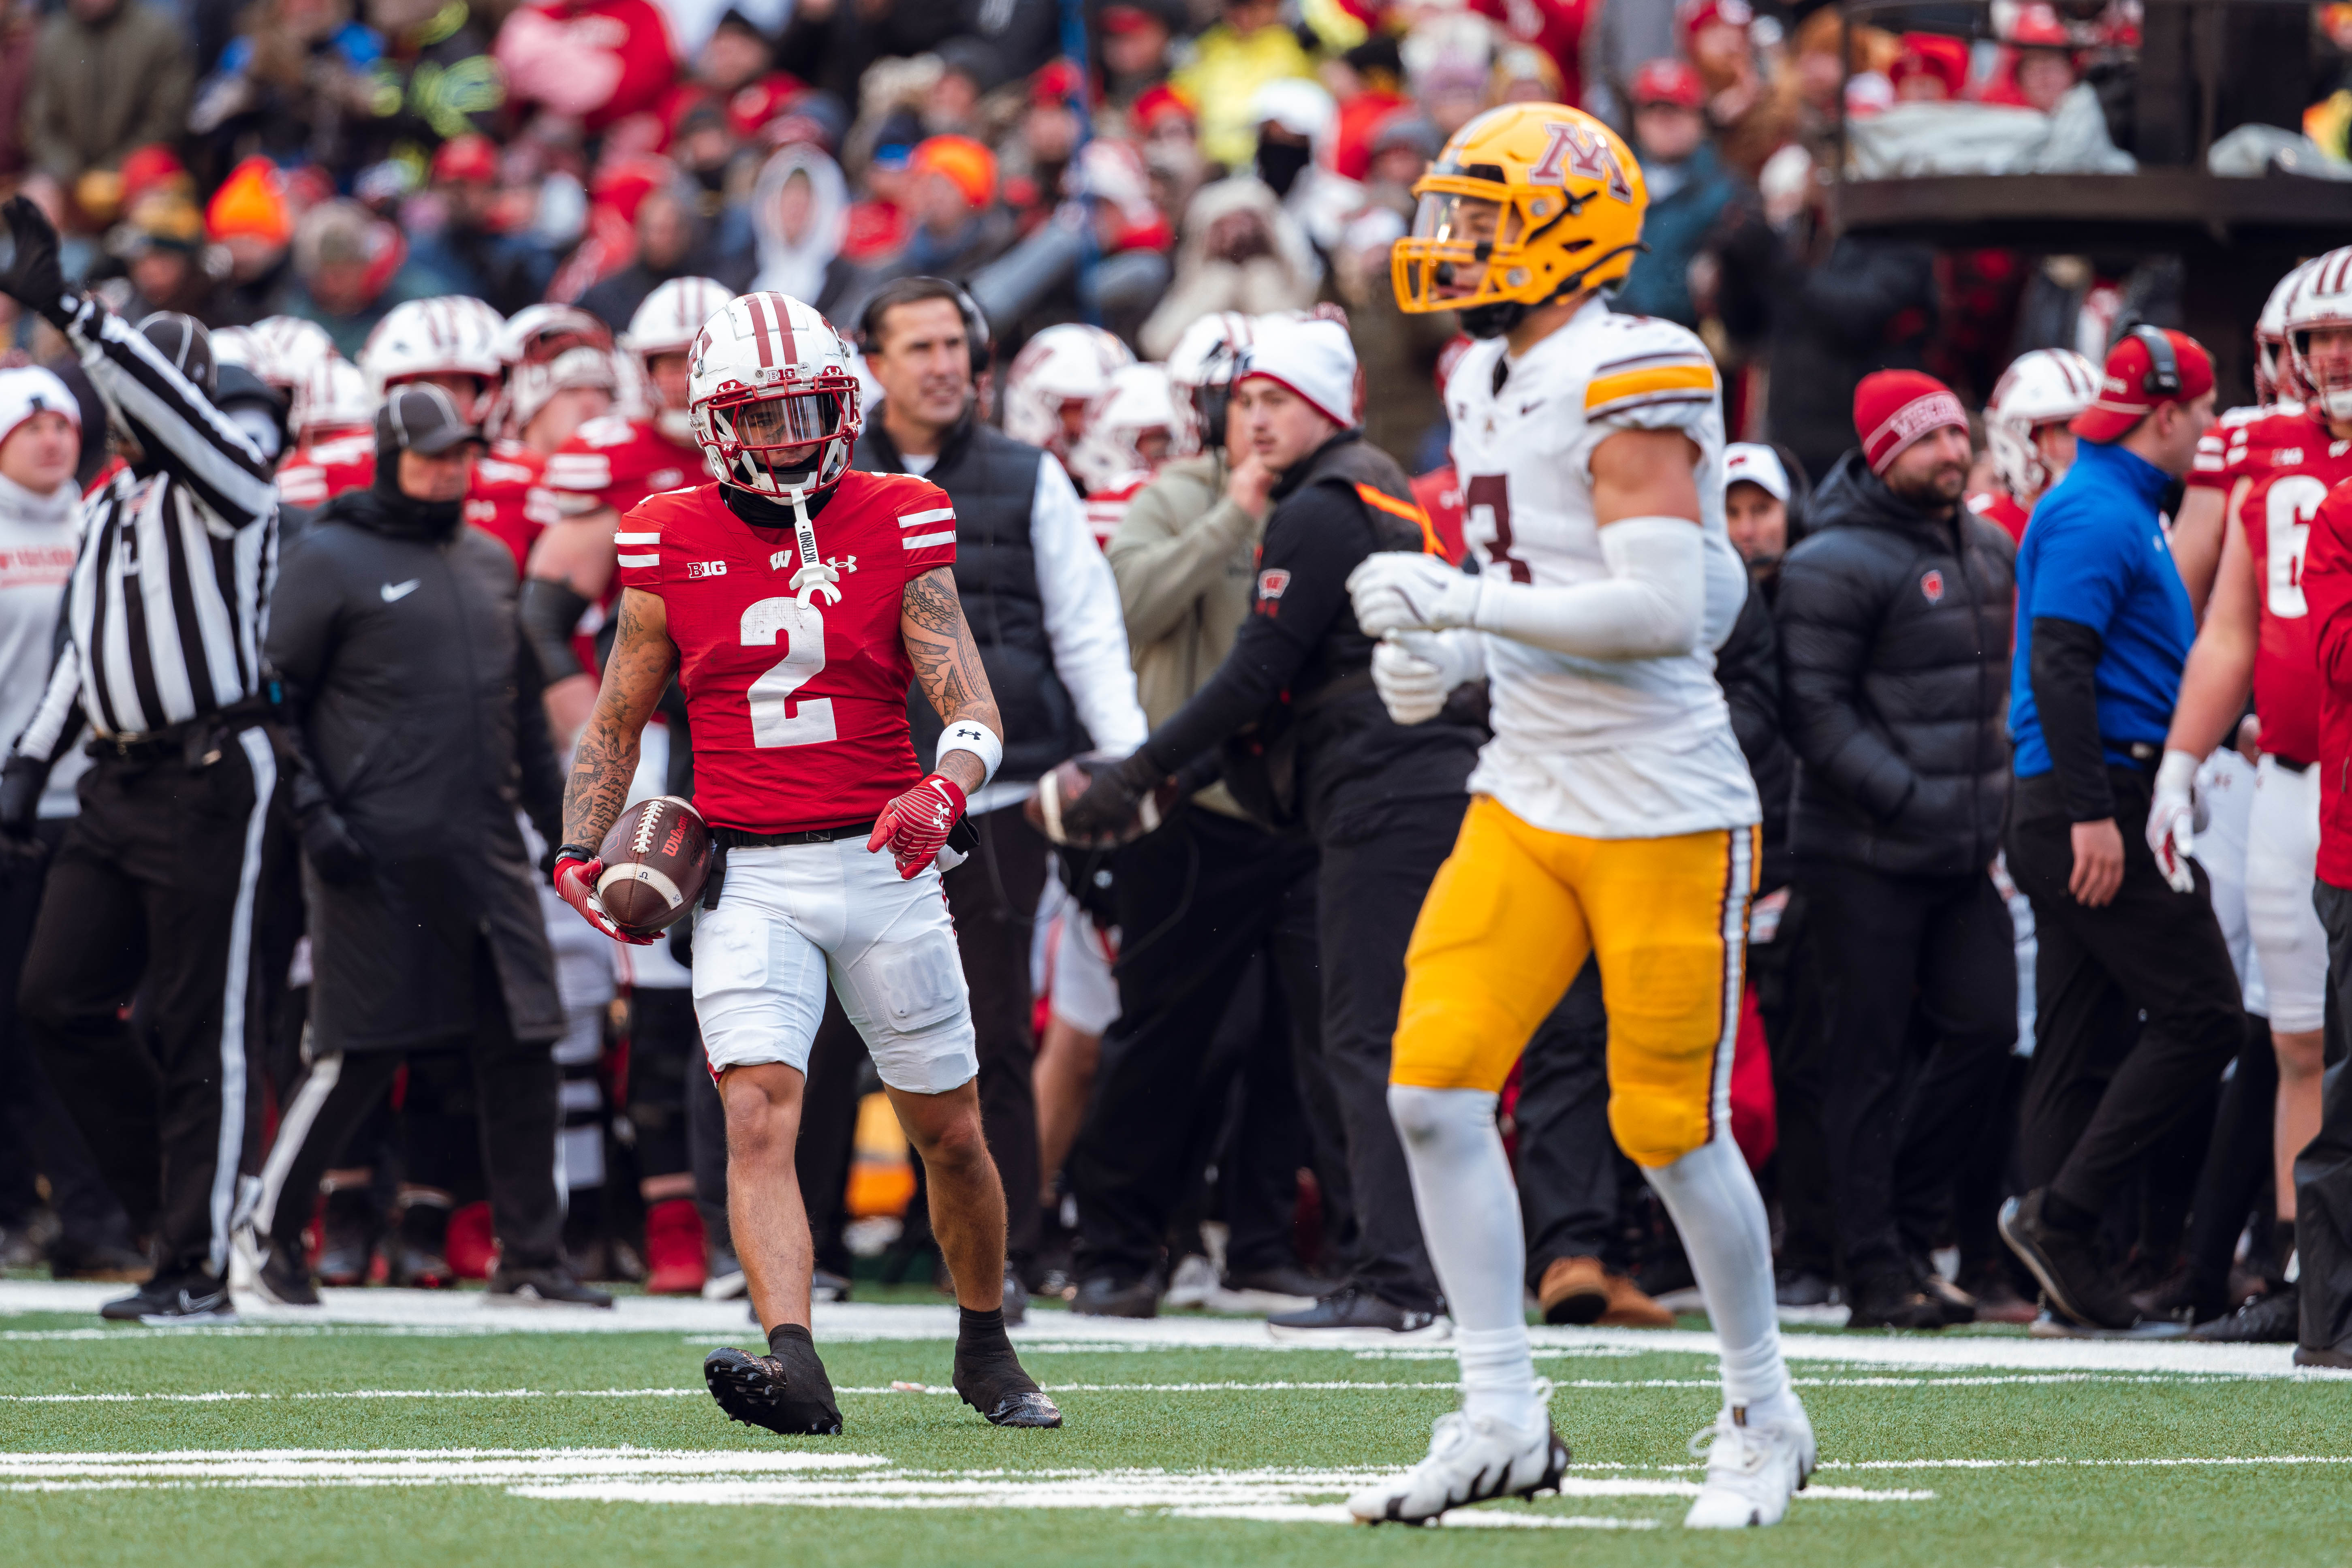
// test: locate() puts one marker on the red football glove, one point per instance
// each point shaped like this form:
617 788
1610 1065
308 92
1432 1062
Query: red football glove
575 884
918 823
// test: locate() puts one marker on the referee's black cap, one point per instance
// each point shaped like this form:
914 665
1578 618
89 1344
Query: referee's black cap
183 341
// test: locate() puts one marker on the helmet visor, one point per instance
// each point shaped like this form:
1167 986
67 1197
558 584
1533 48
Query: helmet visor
1450 218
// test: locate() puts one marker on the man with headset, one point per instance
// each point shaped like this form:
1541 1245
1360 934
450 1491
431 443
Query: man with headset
2104 628
1045 609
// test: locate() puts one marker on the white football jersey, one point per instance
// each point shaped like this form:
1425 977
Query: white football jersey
1602 748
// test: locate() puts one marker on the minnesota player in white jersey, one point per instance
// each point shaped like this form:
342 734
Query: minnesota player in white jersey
1613 813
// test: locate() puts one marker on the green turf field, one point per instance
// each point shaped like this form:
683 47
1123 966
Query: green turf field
466 1442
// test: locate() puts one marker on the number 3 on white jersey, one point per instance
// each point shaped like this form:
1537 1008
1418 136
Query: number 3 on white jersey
776 720
2288 509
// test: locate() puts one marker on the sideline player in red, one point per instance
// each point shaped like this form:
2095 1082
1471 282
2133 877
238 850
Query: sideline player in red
2026 425
795 656
559 375
2258 634
608 466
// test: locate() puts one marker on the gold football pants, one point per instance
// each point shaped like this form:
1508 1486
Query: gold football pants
1508 923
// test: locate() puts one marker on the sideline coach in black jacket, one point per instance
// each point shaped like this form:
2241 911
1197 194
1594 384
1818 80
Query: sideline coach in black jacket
415 703
1895 638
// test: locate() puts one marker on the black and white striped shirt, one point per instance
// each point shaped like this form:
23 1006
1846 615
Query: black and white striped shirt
169 597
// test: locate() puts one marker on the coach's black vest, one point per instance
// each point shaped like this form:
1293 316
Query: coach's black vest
992 480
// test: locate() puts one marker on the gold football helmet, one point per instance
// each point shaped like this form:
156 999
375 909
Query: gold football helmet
1528 203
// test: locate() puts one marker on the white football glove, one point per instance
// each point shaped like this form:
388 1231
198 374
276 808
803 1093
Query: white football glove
1415 672
1396 590
2172 817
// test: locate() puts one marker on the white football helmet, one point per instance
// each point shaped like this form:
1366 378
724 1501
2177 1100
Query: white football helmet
1134 431
774 397
282 350
666 324
331 396
2274 378
450 335
2324 300
2045 386
1201 374
549 349
1057 381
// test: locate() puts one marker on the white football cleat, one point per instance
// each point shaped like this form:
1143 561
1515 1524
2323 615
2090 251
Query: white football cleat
1751 1471
1469 1461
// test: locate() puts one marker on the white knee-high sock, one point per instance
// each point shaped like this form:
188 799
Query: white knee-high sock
1721 1218
1470 1218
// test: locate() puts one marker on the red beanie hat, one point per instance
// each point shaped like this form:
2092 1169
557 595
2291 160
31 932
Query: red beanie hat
1893 408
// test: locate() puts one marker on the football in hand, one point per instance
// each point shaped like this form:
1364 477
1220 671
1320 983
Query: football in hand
655 860
1068 780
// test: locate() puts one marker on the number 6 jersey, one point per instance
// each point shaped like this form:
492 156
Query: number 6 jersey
797 702
1600 748
2293 462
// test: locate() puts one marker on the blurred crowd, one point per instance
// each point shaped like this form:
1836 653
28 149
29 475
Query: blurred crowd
501 198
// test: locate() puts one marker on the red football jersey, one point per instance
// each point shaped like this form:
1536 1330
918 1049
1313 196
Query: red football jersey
1107 507
798 707
616 462
1439 491
2236 437
2000 509
313 476
2293 463
506 500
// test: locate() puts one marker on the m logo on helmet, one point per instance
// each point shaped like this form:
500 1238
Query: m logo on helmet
1580 151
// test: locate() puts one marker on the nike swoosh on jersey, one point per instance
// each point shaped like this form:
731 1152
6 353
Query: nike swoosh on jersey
395 591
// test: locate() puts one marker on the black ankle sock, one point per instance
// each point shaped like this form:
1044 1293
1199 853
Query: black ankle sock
2066 1215
783 1332
982 1330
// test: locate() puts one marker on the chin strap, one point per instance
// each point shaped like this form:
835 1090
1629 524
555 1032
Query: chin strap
813 579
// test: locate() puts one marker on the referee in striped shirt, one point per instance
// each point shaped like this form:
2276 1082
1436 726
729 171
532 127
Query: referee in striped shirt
157 889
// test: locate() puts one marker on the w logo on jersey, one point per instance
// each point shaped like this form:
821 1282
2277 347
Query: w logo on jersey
1583 151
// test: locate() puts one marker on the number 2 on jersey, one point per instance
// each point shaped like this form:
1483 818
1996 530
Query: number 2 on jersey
2287 511
1486 521
776 719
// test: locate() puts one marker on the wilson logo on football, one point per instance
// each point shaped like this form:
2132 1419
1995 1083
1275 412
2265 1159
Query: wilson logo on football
1932 585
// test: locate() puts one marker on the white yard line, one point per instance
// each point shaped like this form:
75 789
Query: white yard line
470 1311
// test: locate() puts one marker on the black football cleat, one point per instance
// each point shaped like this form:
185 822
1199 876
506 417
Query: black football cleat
172 1305
555 1286
991 1381
792 1399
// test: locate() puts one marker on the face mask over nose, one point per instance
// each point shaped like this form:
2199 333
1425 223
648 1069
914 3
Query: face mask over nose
1279 164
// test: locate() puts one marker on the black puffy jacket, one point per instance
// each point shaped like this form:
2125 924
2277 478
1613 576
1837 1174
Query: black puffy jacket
1894 643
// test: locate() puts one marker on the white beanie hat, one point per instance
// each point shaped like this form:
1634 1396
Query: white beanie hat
29 389
1312 357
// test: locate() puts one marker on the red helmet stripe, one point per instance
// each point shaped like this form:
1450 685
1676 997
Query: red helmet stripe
758 308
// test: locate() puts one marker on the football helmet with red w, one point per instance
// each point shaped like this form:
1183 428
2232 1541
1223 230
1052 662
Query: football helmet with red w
774 397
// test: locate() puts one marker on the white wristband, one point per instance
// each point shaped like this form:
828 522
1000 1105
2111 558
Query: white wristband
964 735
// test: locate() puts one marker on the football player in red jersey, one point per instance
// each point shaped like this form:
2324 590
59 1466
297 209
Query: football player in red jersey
2025 425
796 654
2258 634
559 375
608 466
333 421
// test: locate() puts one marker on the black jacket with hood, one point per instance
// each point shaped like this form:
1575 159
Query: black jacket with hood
416 699
1895 643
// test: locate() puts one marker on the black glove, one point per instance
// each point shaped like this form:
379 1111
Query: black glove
327 844
21 783
1114 795
33 276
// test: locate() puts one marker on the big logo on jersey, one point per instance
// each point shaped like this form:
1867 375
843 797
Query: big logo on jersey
1582 150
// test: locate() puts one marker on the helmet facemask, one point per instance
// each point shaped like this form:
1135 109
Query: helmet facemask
795 445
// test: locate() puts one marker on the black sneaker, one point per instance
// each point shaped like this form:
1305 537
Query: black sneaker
2273 1319
279 1275
725 1282
1894 1300
824 1285
186 1303
417 1249
1352 1310
1017 1299
2307 1356
1803 1288
1958 1305
1282 1280
1104 1297
350 1227
2068 1264
990 1378
792 1398
551 1286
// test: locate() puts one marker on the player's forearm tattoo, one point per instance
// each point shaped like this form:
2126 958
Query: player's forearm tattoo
605 760
946 660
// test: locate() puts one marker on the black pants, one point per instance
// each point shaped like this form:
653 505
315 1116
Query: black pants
2323 1171
1906 958
1195 901
993 897
159 892
514 1109
1369 896
1788 986
1569 1185
2103 1093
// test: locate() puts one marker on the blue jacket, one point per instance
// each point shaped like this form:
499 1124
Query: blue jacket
2097 556
1673 228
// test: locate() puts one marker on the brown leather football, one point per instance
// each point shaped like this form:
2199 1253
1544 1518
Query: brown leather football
655 860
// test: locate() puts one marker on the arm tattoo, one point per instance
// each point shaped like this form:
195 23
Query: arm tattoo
605 760
939 645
